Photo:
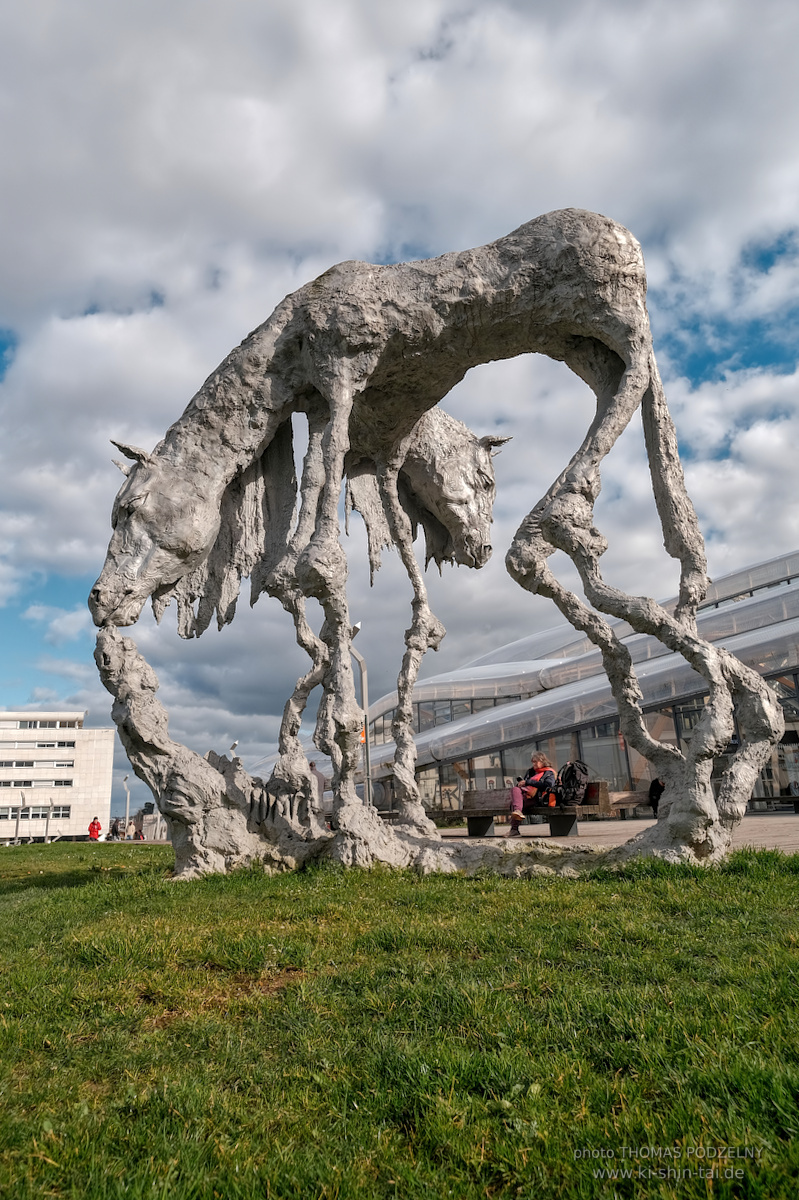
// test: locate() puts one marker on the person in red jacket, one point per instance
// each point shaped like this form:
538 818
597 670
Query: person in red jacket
539 782
94 830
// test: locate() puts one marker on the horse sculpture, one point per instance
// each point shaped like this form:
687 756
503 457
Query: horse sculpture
366 353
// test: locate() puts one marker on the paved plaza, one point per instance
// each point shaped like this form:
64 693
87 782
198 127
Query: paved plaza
770 831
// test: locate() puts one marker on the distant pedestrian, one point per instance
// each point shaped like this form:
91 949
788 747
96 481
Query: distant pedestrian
656 789
94 830
130 831
321 782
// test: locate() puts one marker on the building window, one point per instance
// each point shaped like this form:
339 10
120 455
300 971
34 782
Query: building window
49 724
486 771
62 783
687 716
427 717
560 749
454 779
57 813
516 759
429 791
21 764
661 726
604 753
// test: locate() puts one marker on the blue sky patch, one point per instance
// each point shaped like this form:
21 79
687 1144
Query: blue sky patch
763 256
26 656
8 344
704 351
704 345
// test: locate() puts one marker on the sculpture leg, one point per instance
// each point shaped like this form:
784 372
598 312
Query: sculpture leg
207 802
690 825
425 631
292 775
322 572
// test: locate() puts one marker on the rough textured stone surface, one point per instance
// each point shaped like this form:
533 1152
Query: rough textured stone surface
366 352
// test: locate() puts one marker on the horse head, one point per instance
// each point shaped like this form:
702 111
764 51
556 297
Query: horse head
165 522
450 488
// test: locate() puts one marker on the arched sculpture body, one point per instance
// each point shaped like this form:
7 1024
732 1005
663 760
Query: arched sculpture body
367 352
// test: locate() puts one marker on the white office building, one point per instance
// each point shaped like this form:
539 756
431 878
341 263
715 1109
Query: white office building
55 776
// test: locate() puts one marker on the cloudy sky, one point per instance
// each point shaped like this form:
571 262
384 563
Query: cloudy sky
170 172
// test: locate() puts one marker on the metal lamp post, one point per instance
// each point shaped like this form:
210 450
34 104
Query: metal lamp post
367 760
20 804
127 803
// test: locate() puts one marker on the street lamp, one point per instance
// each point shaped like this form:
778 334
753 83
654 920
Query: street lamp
20 803
127 802
367 761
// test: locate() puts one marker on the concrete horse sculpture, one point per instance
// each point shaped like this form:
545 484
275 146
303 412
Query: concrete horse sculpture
218 814
365 351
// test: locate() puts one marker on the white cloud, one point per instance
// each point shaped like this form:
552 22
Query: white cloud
62 626
170 172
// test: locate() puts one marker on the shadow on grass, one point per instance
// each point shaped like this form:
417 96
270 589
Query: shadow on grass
70 866
54 880
748 862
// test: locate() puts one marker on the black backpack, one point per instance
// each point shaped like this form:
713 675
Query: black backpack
572 782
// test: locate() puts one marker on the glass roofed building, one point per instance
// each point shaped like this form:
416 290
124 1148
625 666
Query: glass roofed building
476 727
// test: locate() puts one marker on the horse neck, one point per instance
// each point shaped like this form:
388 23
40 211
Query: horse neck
235 414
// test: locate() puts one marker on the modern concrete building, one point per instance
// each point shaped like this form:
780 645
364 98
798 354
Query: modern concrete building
55 776
476 727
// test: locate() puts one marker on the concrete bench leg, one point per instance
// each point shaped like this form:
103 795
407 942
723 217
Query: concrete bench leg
563 825
480 826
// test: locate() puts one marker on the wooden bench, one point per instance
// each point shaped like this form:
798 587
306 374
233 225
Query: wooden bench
480 807
564 818
622 803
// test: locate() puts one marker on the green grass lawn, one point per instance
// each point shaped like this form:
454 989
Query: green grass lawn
339 1034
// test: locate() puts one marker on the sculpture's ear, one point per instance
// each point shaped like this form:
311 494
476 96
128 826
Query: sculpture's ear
133 452
125 470
490 441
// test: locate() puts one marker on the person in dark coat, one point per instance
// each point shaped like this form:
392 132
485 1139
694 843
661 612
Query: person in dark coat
656 790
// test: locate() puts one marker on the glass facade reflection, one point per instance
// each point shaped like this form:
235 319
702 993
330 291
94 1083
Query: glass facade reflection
478 726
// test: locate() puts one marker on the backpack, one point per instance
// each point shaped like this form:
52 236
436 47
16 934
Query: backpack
571 782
